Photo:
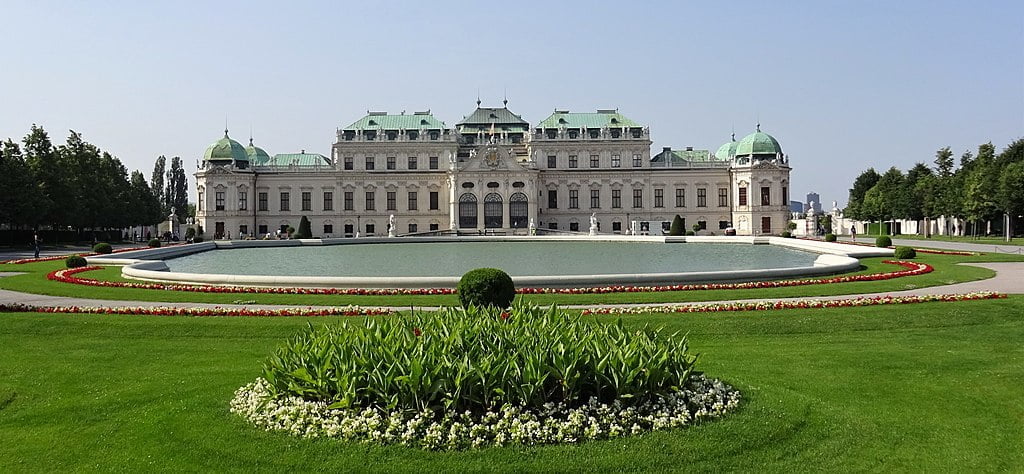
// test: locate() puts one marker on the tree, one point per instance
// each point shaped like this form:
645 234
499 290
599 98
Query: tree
176 194
157 183
19 191
305 232
981 184
884 201
53 192
861 185
1011 184
145 207
914 194
677 226
944 162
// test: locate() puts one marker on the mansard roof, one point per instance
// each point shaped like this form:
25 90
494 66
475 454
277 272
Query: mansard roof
386 121
673 157
599 119
493 115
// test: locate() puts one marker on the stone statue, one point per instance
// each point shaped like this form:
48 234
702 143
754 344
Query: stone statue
532 227
593 223
391 225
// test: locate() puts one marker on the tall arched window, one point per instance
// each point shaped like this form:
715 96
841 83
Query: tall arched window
518 212
493 211
467 211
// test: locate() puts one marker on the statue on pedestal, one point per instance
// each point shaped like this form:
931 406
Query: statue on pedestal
593 223
391 225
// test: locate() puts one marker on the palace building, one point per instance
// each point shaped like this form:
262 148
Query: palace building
494 173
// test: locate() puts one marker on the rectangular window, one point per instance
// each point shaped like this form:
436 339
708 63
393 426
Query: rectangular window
263 204
328 229
433 163
616 227
243 200
595 161
413 228
349 229
680 197
413 204
743 196
638 198
766 225
219 196
595 198
574 199
391 201
349 201
659 197
552 199
723 197
638 161
702 197
766 196
348 162
616 198
370 205
433 200
702 225
785 196
390 163
263 229
574 226
552 161
370 163
573 161
412 163
433 227
307 200
370 228
328 201
723 224
285 205
552 225
616 161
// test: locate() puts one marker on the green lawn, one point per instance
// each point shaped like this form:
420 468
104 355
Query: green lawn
970 240
928 387
946 271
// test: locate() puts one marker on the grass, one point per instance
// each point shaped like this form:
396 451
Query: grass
946 271
957 238
927 387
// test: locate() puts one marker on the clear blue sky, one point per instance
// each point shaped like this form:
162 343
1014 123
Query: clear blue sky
842 85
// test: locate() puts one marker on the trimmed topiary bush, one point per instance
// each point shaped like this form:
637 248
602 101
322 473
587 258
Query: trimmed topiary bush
197 239
102 247
883 241
154 243
75 261
486 287
690 232
904 253
677 226
786 234
830 237
305 231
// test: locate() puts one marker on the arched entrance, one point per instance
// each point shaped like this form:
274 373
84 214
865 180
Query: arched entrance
467 211
518 211
493 211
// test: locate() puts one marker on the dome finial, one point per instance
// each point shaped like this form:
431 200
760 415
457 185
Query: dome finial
478 97
504 100
759 125
225 127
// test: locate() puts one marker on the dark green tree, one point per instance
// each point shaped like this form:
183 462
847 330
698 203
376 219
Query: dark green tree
861 185
54 197
304 232
18 190
677 226
157 184
176 194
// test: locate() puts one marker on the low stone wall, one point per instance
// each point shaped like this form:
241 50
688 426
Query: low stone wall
835 258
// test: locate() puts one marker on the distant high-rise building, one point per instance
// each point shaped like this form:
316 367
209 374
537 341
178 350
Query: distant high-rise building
813 200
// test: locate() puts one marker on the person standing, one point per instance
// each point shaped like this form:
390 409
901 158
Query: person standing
35 244
853 233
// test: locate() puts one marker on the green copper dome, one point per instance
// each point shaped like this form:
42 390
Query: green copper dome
256 154
758 143
226 149
727 151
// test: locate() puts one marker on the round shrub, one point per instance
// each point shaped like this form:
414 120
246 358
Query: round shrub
197 239
883 241
486 287
786 234
904 253
690 232
102 247
830 237
154 243
75 261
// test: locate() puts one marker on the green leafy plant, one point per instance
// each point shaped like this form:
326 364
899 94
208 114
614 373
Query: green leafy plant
904 253
154 243
883 241
830 237
190 233
304 232
102 248
786 234
477 359
75 261
486 287
690 232
677 226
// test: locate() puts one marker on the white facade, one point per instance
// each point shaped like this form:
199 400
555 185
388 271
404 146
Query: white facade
493 174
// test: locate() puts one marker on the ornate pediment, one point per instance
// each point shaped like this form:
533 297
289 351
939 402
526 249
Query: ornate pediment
492 157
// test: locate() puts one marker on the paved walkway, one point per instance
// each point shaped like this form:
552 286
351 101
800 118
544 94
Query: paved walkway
1009 279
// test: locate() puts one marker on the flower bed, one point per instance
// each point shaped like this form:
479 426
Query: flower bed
795 304
702 400
479 376
68 276
176 311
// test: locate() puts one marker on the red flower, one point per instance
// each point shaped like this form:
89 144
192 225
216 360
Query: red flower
504 315
416 332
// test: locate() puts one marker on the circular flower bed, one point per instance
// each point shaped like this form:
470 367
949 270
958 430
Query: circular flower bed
178 311
480 376
910 269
